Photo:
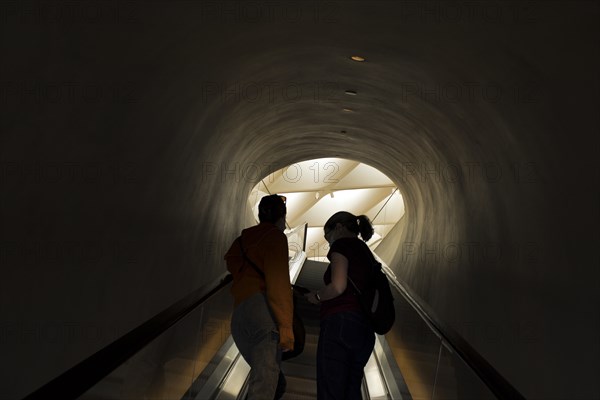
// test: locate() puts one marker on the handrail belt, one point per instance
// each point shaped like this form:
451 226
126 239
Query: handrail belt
83 376
482 368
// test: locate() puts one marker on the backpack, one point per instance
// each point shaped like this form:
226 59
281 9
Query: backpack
376 300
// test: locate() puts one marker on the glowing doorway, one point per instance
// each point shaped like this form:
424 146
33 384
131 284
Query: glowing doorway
316 189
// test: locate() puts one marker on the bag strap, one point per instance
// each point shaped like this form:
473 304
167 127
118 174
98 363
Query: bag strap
374 262
261 273
353 284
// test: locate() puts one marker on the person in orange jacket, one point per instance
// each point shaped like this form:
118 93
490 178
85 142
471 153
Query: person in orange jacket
261 324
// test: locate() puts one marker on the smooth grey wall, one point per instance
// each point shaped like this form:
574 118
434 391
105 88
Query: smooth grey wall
131 137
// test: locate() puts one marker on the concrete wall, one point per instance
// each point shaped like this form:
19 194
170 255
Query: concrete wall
126 164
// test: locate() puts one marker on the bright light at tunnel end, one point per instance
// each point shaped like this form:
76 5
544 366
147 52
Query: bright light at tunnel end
318 188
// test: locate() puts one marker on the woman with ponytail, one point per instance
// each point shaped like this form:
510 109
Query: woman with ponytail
346 338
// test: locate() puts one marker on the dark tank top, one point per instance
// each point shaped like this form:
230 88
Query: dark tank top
359 260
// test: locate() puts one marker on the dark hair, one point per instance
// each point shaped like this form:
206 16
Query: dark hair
354 224
271 208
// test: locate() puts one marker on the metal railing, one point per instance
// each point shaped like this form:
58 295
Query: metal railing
88 373
454 345
77 380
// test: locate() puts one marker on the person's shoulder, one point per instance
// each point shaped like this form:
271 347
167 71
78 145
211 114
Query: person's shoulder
250 231
349 247
339 246
258 229
275 234
270 232
347 241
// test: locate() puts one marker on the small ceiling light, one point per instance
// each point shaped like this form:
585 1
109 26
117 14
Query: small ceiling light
351 92
358 58
347 110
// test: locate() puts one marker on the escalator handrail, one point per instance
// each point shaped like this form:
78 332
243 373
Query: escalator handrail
83 376
457 344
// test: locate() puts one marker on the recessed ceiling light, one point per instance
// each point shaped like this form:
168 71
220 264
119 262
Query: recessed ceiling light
347 110
351 92
358 58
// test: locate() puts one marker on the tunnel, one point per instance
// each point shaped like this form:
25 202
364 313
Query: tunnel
133 133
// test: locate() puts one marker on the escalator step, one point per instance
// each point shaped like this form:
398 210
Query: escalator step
296 396
300 387
308 356
297 370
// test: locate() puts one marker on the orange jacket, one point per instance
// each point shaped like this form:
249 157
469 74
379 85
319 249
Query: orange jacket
267 247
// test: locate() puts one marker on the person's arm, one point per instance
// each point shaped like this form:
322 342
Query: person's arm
278 286
339 280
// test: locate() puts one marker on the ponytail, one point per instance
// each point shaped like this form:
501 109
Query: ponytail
365 227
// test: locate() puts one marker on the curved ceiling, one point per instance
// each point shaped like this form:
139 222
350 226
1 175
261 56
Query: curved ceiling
316 189
481 113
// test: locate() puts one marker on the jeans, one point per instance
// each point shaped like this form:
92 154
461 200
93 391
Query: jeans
345 344
255 334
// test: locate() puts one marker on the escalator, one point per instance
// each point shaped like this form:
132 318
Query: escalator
301 371
382 377
186 353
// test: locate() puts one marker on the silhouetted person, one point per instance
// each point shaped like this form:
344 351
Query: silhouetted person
261 324
346 338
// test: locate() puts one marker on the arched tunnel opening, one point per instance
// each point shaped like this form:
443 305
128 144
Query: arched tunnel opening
316 189
133 135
